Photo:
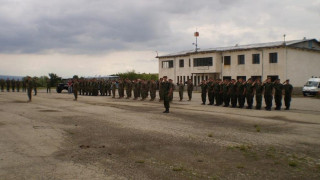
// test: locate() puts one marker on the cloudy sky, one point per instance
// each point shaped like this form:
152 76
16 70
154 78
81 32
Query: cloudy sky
102 37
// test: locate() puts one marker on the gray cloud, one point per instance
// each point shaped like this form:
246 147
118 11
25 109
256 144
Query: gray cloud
100 26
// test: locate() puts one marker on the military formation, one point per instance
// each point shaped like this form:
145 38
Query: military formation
227 93
234 93
12 85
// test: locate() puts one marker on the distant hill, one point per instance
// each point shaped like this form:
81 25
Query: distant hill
11 77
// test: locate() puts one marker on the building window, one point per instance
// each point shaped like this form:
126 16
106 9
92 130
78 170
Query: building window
273 58
242 77
189 62
178 79
226 77
167 64
184 79
240 59
202 61
181 63
255 58
227 60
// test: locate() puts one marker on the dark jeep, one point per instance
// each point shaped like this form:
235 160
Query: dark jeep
62 86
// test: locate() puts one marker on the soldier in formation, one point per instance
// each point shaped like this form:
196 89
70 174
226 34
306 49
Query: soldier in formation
287 93
153 90
204 87
189 89
181 89
2 84
8 83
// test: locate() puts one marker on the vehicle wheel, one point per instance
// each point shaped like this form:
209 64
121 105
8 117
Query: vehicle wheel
58 90
304 94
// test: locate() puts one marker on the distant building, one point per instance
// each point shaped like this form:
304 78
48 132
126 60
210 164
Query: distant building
296 60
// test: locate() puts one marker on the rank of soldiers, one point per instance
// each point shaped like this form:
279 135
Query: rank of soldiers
227 93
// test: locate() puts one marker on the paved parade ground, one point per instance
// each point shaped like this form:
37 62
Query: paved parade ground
54 137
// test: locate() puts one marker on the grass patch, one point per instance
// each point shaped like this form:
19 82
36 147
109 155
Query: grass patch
139 161
177 169
258 129
240 167
293 163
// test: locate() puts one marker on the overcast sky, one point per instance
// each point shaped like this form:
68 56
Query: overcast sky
102 37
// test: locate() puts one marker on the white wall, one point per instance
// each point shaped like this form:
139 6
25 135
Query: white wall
302 64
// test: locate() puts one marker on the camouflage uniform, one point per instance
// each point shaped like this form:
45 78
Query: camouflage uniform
210 92
287 94
259 89
204 88
8 82
2 83
18 84
217 93
240 93
153 90
114 87
167 89
13 85
75 89
29 85
249 94
181 89
278 87
190 89
268 88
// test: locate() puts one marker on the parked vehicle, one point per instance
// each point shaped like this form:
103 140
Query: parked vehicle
312 87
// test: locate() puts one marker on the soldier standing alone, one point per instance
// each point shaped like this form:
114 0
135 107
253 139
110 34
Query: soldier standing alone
167 91
287 93
29 84
75 89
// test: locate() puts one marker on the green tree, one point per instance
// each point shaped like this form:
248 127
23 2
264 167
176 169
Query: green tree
54 79
133 75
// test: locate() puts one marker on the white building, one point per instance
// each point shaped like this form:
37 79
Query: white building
296 60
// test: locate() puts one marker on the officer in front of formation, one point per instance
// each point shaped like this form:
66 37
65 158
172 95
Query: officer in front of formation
167 92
